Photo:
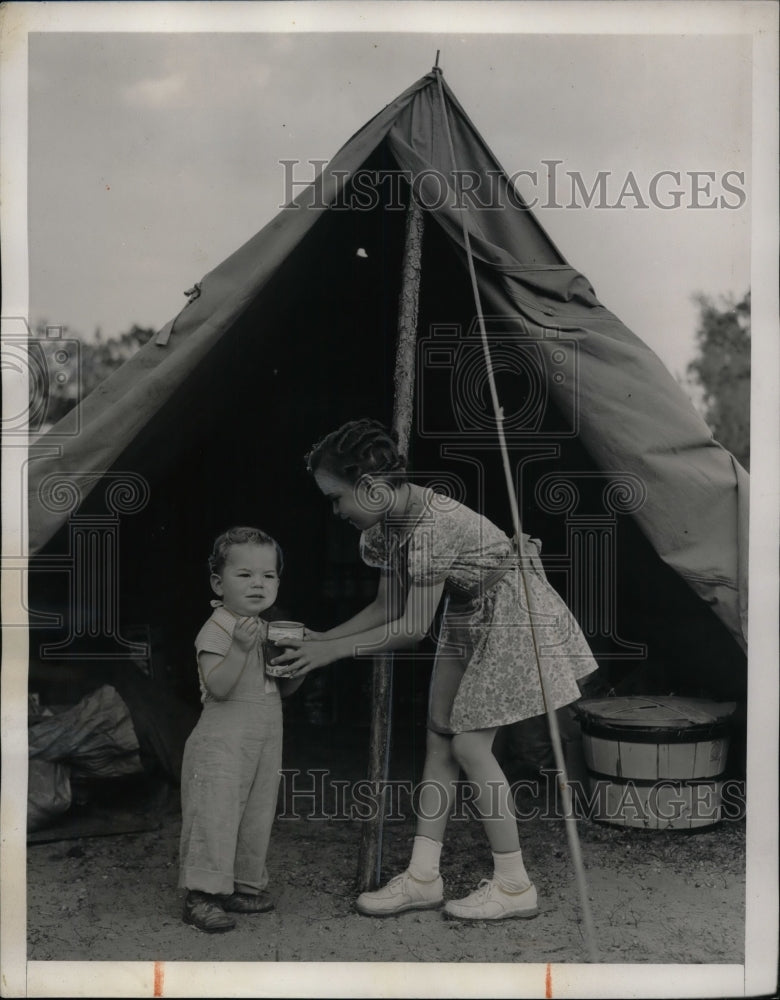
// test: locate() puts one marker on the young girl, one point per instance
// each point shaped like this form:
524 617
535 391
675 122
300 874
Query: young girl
230 770
485 674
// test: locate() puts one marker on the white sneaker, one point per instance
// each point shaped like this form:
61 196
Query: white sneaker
404 892
490 901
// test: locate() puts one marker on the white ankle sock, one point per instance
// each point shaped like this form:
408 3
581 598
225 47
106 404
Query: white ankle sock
510 872
425 859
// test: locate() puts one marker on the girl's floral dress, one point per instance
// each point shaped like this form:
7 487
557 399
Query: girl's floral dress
488 658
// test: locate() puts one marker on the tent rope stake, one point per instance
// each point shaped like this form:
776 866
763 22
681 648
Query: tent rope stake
555 736
370 853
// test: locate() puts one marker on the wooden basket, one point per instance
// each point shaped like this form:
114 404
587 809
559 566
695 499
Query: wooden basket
655 762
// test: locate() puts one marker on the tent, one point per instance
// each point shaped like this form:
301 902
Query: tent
643 516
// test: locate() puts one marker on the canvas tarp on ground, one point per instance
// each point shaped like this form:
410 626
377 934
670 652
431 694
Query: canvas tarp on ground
631 416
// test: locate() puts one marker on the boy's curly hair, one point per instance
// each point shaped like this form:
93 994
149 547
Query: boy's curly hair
357 448
237 536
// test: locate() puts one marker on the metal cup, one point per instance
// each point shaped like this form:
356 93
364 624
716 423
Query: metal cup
274 645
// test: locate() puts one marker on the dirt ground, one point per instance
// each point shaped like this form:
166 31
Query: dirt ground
656 896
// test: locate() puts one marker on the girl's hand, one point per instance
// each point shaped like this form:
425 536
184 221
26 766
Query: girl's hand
245 633
305 655
310 634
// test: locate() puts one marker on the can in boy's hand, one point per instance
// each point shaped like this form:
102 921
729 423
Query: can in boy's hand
274 645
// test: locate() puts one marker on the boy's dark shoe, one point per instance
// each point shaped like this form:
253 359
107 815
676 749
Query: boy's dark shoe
204 911
244 902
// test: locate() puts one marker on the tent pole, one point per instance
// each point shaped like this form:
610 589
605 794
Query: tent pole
370 855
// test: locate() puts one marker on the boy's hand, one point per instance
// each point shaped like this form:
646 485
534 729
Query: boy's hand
245 633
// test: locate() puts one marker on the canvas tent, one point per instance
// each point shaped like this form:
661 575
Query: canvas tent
295 332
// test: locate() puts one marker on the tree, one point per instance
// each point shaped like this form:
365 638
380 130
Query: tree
722 371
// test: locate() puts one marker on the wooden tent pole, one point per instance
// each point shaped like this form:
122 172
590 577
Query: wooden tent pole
370 855
409 298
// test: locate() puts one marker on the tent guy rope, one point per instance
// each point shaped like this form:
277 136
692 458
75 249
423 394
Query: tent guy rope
555 736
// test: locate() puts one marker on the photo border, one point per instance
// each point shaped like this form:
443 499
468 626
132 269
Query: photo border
758 975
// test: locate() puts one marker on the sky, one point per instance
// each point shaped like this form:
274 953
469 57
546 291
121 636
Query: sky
153 156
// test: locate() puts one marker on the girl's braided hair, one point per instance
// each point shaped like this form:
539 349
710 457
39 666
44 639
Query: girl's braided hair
358 448
237 536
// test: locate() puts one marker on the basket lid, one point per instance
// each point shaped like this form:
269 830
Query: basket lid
654 712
